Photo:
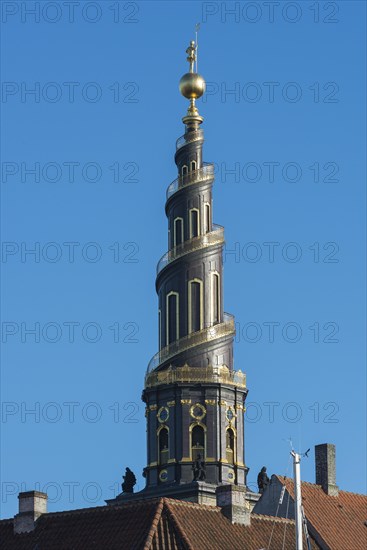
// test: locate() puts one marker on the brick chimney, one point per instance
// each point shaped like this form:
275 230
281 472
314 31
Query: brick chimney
232 500
326 468
32 505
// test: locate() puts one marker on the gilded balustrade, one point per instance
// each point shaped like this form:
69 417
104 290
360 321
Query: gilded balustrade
219 375
205 173
202 241
205 335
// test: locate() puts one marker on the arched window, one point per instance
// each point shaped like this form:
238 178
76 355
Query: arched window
230 446
163 446
184 170
215 298
178 231
197 442
195 305
172 317
207 217
194 223
193 165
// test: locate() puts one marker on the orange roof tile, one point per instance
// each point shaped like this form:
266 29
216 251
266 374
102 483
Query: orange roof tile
339 520
155 524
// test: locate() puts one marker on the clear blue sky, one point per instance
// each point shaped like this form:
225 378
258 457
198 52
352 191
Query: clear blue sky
294 212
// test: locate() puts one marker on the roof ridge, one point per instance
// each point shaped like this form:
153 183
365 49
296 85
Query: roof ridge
104 507
153 529
316 485
265 517
189 503
177 525
352 493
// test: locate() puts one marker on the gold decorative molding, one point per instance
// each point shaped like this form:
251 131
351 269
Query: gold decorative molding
163 414
153 464
171 461
212 402
171 403
185 459
222 403
239 407
163 475
201 408
153 407
185 401
210 459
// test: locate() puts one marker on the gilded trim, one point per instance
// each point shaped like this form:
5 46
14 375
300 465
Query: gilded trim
201 298
173 293
207 218
175 231
160 412
160 329
212 402
215 299
199 406
204 428
185 401
190 222
163 476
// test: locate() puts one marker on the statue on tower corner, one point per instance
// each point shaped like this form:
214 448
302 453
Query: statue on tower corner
262 480
199 469
129 481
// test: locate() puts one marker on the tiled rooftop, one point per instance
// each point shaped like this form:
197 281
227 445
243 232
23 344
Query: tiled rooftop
156 524
340 520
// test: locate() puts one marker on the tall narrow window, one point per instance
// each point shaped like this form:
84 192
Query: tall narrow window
207 217
194 223
193 165
215 298
197 442
160 329
184 170
195 305
163 446
230 446
178 234
172 317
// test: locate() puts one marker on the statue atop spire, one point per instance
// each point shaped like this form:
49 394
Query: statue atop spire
192 85
191 55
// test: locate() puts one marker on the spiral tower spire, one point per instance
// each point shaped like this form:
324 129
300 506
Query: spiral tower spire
194 398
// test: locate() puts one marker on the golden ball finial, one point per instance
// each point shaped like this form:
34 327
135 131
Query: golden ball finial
192 85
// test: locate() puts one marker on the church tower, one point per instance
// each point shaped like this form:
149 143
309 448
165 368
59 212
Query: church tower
194 397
